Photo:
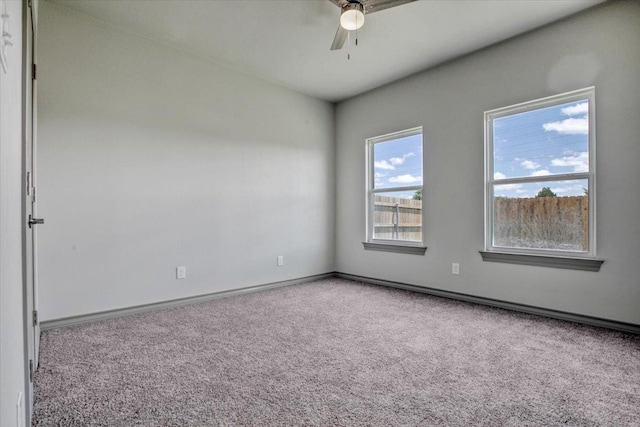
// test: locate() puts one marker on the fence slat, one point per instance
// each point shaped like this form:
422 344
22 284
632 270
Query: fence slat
409 221
542 222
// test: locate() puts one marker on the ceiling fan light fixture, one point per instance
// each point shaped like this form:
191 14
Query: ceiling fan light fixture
352 17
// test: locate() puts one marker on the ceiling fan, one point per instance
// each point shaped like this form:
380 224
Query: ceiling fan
352 15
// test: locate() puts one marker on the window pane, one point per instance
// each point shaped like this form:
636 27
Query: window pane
398 215
398 162
544 215
546 141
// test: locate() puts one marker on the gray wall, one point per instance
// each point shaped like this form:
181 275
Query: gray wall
151 158
12 354
600 48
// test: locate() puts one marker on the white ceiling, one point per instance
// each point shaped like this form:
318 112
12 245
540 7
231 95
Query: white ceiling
287 41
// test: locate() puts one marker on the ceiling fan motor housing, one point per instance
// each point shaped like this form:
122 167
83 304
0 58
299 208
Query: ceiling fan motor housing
352 17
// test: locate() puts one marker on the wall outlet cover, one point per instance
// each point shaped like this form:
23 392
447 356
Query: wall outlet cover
455 268
181 272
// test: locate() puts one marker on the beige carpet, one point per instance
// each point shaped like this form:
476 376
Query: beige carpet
337 353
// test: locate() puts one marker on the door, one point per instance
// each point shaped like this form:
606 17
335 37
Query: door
30 193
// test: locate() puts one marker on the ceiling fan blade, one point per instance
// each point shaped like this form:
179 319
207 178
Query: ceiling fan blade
371 6
339 39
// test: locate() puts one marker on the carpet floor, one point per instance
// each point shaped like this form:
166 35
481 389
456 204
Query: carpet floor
336 353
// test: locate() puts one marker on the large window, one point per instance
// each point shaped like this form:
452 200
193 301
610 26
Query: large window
540 177
394 195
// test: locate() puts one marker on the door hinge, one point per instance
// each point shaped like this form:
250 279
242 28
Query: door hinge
28 183
33 190
33 74
35 317
30 370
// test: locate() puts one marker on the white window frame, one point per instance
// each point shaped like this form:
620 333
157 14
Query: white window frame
414 247
590 176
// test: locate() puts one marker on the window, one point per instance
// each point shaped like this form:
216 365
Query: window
540 177
394 191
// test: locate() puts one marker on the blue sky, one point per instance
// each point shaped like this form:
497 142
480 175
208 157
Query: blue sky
543 142
398 163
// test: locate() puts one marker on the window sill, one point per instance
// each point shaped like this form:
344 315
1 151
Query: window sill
584 264
403 249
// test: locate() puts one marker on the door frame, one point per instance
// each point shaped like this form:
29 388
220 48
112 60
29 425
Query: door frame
29 257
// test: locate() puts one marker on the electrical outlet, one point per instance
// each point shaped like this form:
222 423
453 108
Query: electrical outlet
181 272
280 260
455 268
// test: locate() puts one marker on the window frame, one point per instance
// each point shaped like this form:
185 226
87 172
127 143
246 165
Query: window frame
390 245
490 181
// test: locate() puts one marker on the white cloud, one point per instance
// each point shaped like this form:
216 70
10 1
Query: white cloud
542 172
383 164
574 110
528 164
380 175
397 161
510 186
569 126
405 179
580 162
560 189
499 175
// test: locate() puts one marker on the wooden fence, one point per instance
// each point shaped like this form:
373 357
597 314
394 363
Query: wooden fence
538 222
542 222
397 219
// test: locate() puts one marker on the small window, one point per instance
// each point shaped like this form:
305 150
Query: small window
540 177
394 186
